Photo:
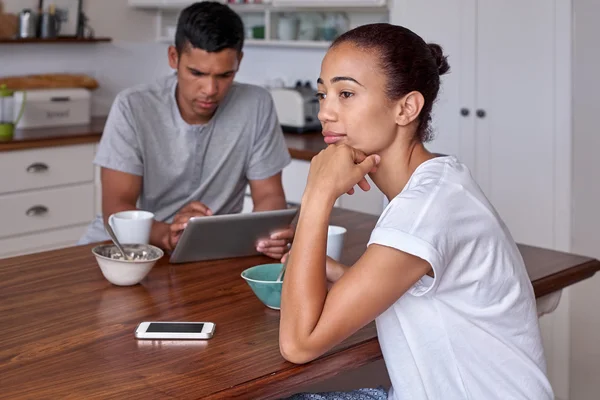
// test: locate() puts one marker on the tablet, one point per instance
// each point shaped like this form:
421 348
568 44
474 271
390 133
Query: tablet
226 236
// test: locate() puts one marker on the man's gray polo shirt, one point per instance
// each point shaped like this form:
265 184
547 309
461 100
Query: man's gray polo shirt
145 135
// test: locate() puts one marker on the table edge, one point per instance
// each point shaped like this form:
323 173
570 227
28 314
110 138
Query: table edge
287 381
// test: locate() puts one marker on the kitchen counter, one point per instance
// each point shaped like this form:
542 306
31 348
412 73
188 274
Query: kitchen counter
301 146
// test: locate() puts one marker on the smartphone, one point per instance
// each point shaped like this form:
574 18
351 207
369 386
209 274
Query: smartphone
175 330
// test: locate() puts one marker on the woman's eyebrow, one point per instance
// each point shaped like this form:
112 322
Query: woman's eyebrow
340 78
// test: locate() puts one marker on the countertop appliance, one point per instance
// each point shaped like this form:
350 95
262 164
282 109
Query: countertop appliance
54 107
297 108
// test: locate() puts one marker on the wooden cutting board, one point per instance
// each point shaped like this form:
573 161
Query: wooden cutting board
9 24
49 81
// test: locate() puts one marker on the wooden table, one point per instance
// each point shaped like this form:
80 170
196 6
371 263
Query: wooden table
68 333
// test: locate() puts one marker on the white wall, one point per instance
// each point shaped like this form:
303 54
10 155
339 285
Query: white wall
585 297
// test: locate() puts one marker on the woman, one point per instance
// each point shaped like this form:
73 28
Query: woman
441 275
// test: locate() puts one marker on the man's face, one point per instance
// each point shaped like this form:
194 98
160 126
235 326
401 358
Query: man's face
203 80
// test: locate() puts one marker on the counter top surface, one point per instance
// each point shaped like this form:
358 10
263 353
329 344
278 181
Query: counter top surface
302 146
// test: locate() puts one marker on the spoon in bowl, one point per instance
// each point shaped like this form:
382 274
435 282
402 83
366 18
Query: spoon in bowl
280 276
116 241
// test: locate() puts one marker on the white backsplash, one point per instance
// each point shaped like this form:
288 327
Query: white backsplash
119 65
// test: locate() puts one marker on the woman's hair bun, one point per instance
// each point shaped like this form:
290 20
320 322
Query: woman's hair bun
440 59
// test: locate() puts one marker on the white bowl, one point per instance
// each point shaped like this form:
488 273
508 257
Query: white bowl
121 272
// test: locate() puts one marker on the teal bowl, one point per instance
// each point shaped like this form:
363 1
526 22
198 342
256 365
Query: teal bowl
262 279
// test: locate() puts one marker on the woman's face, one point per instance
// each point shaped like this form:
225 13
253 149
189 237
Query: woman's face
354 108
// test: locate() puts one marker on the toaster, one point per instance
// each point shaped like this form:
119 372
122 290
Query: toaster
297 108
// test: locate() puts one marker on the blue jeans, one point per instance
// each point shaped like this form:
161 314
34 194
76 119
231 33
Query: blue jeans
360 394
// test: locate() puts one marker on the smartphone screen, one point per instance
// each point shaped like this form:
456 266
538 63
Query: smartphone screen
174 327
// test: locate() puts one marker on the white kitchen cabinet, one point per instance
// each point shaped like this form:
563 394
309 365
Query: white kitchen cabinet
97 185
46 198
505 110
49 208
41 241
497 109
48 167
294 182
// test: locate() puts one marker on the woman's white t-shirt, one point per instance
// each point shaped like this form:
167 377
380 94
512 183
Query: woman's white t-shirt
472 331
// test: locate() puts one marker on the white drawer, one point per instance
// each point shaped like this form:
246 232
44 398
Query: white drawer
36 242
40 168
46 209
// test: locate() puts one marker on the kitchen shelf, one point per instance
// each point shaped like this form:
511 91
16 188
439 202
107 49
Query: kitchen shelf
269 15
315 5
311 44
307 44
55 40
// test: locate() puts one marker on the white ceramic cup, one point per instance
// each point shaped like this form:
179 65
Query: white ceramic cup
335 241
132 227
287 29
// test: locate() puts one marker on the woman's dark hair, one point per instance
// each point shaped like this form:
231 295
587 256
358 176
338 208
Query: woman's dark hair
409 63
210 26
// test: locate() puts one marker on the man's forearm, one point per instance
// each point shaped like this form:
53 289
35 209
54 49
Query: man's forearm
269 203
159 236
335 270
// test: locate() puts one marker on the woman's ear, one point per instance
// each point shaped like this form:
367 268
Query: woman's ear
409 108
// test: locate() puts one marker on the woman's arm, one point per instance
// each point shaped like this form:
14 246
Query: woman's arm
314 320
334 270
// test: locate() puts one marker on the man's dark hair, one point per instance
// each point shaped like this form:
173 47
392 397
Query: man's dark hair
209 26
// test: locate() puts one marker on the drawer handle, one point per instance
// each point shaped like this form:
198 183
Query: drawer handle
36 211
37 167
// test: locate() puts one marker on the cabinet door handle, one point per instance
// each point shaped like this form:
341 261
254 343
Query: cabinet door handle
36 211
464 112
37 167
64 98
481 113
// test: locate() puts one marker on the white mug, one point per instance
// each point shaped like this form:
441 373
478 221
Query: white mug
132 227
335 241
287 29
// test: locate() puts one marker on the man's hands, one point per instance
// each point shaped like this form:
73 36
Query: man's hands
278 244
175 229
275 246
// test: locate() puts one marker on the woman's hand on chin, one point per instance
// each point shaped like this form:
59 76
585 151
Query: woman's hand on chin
337 169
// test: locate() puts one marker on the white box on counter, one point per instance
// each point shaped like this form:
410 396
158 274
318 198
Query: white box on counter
53 107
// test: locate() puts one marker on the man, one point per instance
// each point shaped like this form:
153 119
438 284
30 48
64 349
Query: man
189 144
